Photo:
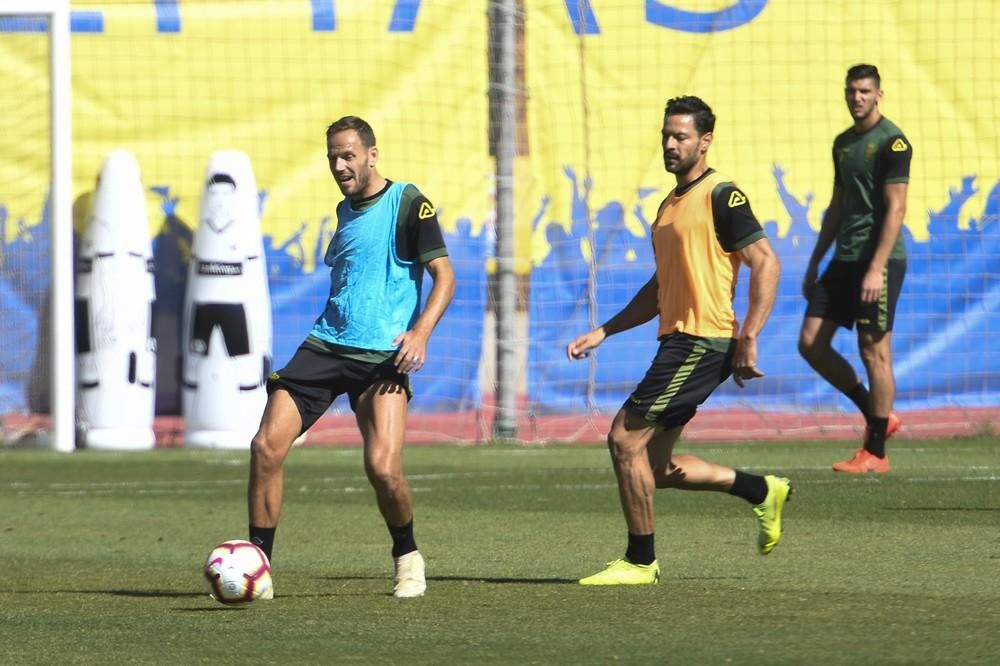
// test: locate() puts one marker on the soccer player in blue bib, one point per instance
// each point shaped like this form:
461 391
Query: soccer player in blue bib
368 339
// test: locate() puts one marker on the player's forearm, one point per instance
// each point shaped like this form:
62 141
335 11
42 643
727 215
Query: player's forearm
826 237
763 290
892 225
639 310
437 302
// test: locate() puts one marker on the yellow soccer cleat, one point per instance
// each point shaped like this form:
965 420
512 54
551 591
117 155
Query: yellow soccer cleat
623 572
768 512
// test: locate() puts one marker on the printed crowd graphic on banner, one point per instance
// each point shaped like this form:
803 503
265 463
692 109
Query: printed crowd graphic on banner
949 296
588 179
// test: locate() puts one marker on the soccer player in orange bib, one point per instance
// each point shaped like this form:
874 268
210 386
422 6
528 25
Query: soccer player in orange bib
703 232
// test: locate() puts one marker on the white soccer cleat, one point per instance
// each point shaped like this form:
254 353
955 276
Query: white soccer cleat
409 578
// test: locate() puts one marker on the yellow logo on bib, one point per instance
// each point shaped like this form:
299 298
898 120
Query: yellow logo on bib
736 199
899 146
426 210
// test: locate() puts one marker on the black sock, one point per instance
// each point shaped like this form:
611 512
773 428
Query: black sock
640 549
876 435
263 538
750 487
402 539
860 397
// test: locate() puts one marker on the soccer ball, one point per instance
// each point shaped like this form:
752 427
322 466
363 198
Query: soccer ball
238 572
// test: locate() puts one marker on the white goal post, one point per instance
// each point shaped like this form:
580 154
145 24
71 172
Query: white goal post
63 363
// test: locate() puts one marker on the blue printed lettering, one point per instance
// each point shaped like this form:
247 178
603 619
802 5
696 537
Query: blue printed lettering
79 21
581 15
324 16
743 11
404 16
168 16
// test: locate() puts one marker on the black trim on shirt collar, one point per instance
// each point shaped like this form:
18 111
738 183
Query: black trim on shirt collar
358 204
863 132
680 191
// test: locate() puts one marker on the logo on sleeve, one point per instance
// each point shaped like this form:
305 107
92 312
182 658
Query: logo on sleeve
736 198
426 210
899 146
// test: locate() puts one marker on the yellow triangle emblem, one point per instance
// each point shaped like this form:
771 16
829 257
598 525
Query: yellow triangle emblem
736 199
426 210
899 146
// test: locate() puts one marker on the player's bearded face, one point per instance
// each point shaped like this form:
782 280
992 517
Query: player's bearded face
350 161
682 145
862 97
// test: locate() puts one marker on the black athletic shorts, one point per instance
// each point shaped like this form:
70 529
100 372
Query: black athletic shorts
684 373
315 379
837 296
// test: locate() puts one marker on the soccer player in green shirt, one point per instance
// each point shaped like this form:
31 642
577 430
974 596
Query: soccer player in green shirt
861 285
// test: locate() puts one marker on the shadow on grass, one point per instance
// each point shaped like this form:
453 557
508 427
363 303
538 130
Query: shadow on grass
139 594
468 579
943 508
498 580
503 580
165 594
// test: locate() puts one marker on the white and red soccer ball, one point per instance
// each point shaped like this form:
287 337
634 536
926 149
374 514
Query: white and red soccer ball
238 572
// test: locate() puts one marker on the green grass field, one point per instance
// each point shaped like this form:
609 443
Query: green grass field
102 558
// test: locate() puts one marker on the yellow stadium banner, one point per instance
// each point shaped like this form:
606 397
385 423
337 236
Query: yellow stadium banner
773 72
173 81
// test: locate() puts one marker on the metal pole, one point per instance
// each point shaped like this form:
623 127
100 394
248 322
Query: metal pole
503 89
63 390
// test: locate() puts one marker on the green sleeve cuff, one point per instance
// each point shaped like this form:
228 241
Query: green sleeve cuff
749 240
428 257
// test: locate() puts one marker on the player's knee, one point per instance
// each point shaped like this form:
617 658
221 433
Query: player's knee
615 442
621 449
673 475
265 456
384 472
873 345
874 356
808 347
667 475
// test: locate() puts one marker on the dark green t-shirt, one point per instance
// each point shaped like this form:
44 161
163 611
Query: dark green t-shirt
863 164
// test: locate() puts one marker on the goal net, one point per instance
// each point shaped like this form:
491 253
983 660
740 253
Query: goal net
598 76
173 82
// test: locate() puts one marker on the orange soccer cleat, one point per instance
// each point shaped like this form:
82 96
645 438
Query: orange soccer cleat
863 462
